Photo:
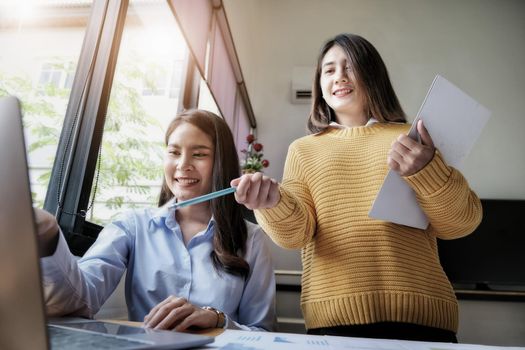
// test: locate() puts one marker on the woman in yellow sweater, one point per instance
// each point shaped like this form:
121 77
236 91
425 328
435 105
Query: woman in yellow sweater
361 276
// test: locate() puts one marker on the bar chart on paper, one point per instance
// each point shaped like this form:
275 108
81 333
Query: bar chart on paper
242 340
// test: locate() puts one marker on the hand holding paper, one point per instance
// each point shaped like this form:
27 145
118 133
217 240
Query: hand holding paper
454 120
408 156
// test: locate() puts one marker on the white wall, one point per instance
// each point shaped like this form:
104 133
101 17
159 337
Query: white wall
479 45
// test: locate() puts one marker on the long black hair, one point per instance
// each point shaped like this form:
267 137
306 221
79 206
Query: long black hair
229 242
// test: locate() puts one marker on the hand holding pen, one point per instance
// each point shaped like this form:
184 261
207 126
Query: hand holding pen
256 191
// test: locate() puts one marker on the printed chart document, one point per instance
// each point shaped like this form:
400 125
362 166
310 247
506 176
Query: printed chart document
242 340
454 120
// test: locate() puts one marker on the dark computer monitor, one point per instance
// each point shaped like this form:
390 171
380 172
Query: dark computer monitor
493 256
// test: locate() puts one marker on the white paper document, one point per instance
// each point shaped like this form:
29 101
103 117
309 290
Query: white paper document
242 340
454 120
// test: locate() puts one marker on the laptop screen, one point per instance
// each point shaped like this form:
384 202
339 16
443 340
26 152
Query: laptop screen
22 315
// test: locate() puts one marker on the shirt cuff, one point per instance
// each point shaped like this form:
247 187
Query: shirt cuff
431 178
229 324
56 266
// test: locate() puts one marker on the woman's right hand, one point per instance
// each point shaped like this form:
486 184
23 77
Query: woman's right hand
256 191
179 314
47 232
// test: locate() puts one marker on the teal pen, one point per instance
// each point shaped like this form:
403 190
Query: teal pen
203 198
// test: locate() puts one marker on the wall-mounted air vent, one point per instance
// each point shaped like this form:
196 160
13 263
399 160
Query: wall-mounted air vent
302 84
303 94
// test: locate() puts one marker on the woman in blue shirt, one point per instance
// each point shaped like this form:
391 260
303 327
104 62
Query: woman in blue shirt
201 265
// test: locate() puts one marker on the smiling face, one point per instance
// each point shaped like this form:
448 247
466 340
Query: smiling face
340 88
188 162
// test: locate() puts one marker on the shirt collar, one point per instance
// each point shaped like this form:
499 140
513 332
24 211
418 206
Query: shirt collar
165 215
160 214
370 121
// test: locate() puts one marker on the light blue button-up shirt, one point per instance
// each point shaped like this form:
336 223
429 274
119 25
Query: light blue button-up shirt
149 244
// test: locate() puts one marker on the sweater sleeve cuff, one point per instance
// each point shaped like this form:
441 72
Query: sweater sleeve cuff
280 212
431 178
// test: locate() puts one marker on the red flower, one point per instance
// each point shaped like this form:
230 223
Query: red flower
253 158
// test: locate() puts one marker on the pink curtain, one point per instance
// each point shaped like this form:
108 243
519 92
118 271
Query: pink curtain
242 127
223 84
194 18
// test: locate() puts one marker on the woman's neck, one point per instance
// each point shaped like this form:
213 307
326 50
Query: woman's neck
351 120
193 219
197 212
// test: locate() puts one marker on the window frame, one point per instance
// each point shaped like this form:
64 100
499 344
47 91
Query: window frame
81 135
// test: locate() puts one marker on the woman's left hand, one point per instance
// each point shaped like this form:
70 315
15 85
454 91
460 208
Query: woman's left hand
178 314
408 156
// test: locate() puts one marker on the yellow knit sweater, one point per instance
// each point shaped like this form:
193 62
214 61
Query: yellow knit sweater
358 270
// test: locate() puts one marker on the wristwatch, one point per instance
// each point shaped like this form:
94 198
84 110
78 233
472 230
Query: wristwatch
221 318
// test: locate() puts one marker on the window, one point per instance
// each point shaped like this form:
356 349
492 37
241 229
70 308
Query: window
50 75
144 98
41 43
206 100
106 86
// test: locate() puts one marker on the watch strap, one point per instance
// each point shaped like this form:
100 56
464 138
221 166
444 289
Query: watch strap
221 317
